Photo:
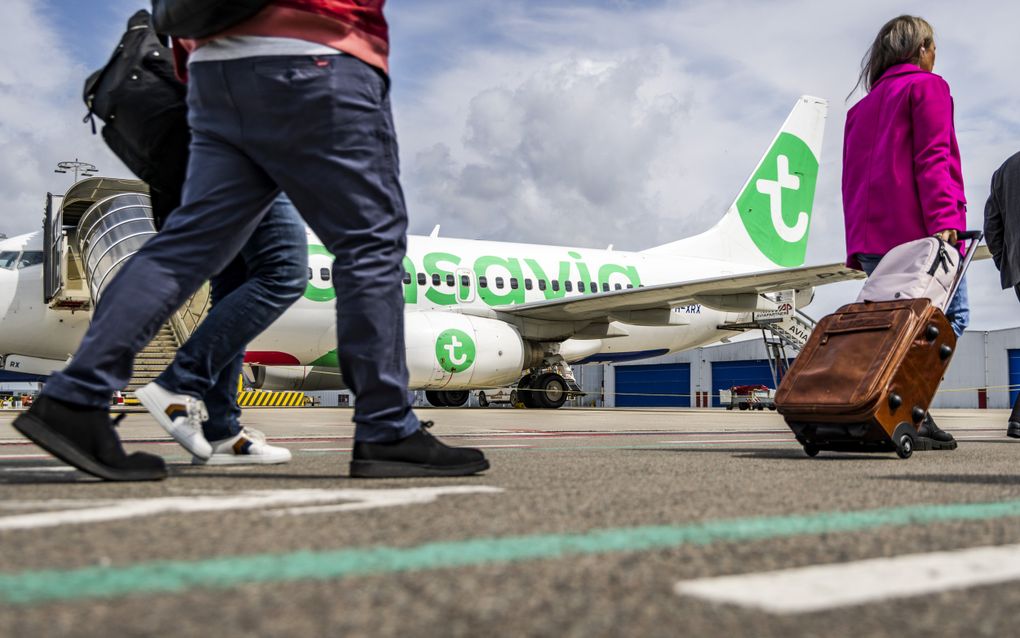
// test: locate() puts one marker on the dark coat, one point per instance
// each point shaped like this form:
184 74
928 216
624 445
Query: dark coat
1002 222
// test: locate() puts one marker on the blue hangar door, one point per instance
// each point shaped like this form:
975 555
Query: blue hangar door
1014 375
662 385
726 374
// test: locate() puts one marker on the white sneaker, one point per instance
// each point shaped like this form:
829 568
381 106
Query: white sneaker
249 447
180 415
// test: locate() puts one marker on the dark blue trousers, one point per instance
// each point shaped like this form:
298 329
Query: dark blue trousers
247 296
321 130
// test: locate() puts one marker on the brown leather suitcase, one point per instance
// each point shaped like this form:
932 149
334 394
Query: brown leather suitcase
866 377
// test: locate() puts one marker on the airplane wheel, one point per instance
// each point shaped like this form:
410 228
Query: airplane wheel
528 398
811 450
456 398
525 392
550 391
482 400
436 398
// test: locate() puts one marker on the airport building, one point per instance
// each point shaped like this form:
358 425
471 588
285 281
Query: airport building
985 373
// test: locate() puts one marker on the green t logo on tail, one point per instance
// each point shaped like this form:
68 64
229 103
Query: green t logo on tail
776 205
455 350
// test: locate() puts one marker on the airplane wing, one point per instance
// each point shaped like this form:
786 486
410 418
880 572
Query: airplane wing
601 306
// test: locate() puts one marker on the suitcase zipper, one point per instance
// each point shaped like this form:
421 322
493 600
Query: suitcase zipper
941 258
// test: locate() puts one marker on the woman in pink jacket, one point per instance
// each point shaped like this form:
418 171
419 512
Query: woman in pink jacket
901 164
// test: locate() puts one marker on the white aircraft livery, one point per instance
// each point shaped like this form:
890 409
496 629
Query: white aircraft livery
482 314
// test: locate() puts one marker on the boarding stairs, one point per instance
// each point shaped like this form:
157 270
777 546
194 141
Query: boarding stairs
152 360
90 233
783 336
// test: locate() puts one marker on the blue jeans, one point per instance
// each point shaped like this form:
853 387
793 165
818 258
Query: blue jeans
247 296
958 312
320 129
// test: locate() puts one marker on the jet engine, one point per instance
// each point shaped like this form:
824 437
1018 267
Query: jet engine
453 351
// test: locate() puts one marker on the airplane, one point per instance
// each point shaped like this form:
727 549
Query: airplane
478 314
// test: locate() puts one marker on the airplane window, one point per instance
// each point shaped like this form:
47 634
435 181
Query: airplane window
450 280
30 258
541 284
483 282
465 281
324 273
422 279
435 279
594 287
568 286
605 286
556 285
629 286
309 273
513 283
527 284
8 259
580 286
407 277
499 283
617 287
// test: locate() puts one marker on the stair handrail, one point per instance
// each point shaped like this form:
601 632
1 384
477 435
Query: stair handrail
185 320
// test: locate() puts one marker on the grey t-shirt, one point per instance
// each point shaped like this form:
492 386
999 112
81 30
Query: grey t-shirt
248 46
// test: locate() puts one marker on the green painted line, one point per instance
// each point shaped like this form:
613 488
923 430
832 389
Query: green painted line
221 573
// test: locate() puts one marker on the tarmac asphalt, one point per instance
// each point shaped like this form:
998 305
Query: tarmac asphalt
585 524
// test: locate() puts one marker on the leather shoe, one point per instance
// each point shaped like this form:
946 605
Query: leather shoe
420 454
932 437
84 438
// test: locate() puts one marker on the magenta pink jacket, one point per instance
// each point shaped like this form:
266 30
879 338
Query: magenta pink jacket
901 164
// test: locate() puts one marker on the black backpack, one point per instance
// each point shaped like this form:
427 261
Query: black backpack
142 104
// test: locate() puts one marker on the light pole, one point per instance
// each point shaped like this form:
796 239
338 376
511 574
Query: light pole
77 167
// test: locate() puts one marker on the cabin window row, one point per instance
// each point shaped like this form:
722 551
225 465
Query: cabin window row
500 283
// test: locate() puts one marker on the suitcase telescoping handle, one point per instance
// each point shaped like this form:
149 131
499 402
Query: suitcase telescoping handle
973 238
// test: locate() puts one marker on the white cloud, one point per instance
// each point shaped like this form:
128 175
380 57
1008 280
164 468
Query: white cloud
40 116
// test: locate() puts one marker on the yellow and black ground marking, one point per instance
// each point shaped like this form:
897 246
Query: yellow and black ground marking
266 399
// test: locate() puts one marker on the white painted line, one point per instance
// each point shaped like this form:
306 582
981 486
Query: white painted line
326 449
823 587
40 468
25 456
295 502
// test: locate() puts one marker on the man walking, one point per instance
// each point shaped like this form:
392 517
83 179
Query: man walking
294 98
1002 233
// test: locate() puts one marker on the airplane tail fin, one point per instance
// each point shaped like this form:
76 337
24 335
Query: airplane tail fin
768 224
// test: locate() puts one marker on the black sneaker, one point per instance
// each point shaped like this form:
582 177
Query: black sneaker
420 454
85 438
1013 430
932 437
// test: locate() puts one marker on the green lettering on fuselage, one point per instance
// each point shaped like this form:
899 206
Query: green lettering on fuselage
540 274
411 288
446 265
432 261
608 270
489 293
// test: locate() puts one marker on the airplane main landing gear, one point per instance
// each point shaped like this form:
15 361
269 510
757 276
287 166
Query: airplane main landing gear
447 398
549 391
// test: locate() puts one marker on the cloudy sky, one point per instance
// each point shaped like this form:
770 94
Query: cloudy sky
583 123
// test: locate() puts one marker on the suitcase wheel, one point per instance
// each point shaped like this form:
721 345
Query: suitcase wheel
903 438
811 450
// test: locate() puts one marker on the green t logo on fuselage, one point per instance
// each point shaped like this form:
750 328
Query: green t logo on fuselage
455 350
776 205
